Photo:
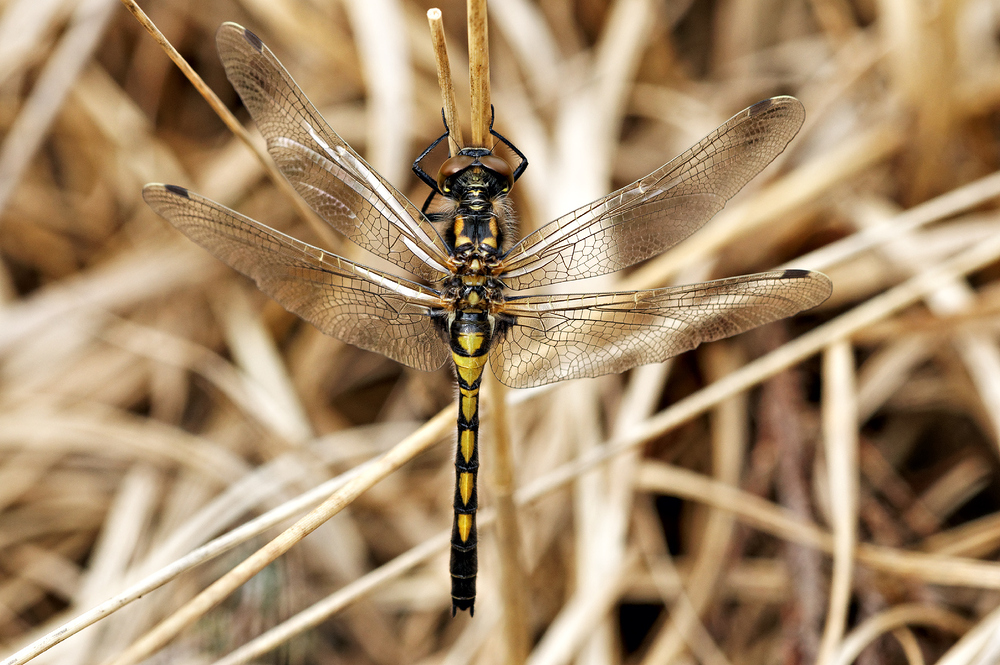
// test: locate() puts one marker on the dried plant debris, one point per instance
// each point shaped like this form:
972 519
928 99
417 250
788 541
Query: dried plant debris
825 489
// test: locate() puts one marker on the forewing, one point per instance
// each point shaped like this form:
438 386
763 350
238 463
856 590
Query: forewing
325 171
358 305
657 212
552 338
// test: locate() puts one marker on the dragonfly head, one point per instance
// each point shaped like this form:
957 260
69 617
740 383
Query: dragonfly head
475 167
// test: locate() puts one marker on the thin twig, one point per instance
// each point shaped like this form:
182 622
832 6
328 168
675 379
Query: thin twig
479 73
508 533
455 140
170 627
840 436
900 615
318 226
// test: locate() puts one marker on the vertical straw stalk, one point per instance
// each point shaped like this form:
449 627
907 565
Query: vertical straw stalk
840 441
479 72
512 578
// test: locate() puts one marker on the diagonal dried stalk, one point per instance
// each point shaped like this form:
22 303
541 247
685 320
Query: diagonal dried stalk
409 448
232 123
448 104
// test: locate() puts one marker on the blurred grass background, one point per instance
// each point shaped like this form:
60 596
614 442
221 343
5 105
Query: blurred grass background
151 399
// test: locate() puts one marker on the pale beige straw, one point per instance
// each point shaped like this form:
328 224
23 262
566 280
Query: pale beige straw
156 638
479 72
445 82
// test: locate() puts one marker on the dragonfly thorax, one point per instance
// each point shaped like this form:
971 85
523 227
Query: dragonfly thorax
474 294
476 182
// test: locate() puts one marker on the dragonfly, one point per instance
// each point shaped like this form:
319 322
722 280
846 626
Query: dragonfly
457 304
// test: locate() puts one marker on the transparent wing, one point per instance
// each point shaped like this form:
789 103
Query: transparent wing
657 212
358 305
325 171
552 338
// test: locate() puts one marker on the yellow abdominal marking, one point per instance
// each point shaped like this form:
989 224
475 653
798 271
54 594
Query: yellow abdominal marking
464 526
469 403
465 483
468 444
469 374
470 342
472 362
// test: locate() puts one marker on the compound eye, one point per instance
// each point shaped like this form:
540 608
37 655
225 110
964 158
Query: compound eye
452 167
499 166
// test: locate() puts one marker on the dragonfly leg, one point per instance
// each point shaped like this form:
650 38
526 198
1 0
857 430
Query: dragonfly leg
423 175
524 160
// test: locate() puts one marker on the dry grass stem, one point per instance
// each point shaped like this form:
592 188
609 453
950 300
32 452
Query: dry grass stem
508 533
380 36
448 103
479 73
231 122
911 647
29 129
974 646
841 454
214 594
901 615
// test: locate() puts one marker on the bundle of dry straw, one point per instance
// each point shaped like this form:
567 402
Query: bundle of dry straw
821 490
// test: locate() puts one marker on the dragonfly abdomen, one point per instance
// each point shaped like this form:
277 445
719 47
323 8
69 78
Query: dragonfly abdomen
470 344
